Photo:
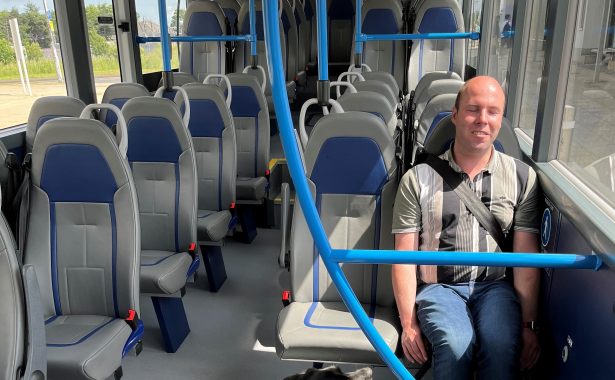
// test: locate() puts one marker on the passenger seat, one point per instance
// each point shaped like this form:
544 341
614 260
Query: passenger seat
356 212
83 241
118 94
47 108
161 156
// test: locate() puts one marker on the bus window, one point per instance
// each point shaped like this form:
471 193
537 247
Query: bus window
587 135
472 45
148 25
103 45
34 72
533 68
502 42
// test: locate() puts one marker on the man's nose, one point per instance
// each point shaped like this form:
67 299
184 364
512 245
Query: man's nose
482 116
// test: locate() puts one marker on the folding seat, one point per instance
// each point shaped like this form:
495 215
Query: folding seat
48 108
161 156
340 15
436 16
242 52
303 35
82 239
22 337
443 135
117 94
202 58
355 210
383 17
213 137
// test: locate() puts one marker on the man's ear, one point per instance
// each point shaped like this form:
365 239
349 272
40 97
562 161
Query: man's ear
454 113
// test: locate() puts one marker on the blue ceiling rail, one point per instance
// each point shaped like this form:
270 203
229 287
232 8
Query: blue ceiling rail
165 39
247 37
360 37
330 257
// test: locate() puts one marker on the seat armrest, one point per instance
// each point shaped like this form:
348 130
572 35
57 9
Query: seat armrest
36 351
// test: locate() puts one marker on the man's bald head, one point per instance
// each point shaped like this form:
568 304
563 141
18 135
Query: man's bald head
480 82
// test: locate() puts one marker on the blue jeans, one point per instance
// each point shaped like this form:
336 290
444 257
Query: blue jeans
471 326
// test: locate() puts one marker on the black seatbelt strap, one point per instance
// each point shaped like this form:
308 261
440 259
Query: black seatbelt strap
24 206
468 197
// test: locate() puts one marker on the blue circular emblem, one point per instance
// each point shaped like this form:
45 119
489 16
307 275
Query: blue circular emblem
545 227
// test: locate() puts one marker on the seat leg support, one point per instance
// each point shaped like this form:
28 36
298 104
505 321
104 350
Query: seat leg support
214 266
172 321
248 223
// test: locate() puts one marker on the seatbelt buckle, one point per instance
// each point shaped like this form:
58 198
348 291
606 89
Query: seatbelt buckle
192 250
27 162
132 319
12 161
286 298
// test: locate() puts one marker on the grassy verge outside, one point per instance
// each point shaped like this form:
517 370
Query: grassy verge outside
151 60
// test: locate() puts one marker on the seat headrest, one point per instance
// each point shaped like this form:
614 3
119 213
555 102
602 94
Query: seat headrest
367 101
209 113
439 16
156 130
443 135
204 18
379 87
381 17
83 152
48 108
117 94
346 132
248 97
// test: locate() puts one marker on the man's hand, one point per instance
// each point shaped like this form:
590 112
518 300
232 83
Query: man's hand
530 349
413 345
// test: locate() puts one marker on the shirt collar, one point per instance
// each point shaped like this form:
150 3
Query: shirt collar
491 167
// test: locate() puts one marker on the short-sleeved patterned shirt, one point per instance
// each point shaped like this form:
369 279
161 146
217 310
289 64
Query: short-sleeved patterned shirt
426 204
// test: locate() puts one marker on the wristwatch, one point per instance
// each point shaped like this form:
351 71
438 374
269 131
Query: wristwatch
532 325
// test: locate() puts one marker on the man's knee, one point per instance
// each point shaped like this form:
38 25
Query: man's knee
457 344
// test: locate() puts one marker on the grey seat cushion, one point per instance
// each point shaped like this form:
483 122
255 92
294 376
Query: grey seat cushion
163 271
212 225
85 346
251 188
328 337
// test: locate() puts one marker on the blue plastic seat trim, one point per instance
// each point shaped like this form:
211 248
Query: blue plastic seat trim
83 338
111 117
152 139
205 118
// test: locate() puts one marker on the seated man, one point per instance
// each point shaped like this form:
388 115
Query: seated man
472 316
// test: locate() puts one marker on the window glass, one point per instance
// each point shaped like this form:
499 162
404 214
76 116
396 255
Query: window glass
103 44
533 68
148 25
37 70
587 140
502 42
472 45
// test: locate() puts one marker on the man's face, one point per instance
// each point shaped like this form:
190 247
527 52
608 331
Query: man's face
479 117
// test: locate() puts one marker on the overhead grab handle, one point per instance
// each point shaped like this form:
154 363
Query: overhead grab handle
229 89
186 101
337 84
121 122
262 70
302 132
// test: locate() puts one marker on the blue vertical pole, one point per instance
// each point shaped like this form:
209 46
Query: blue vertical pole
291 150
253 32
167 76
358 44
322 87
323 49
164 35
